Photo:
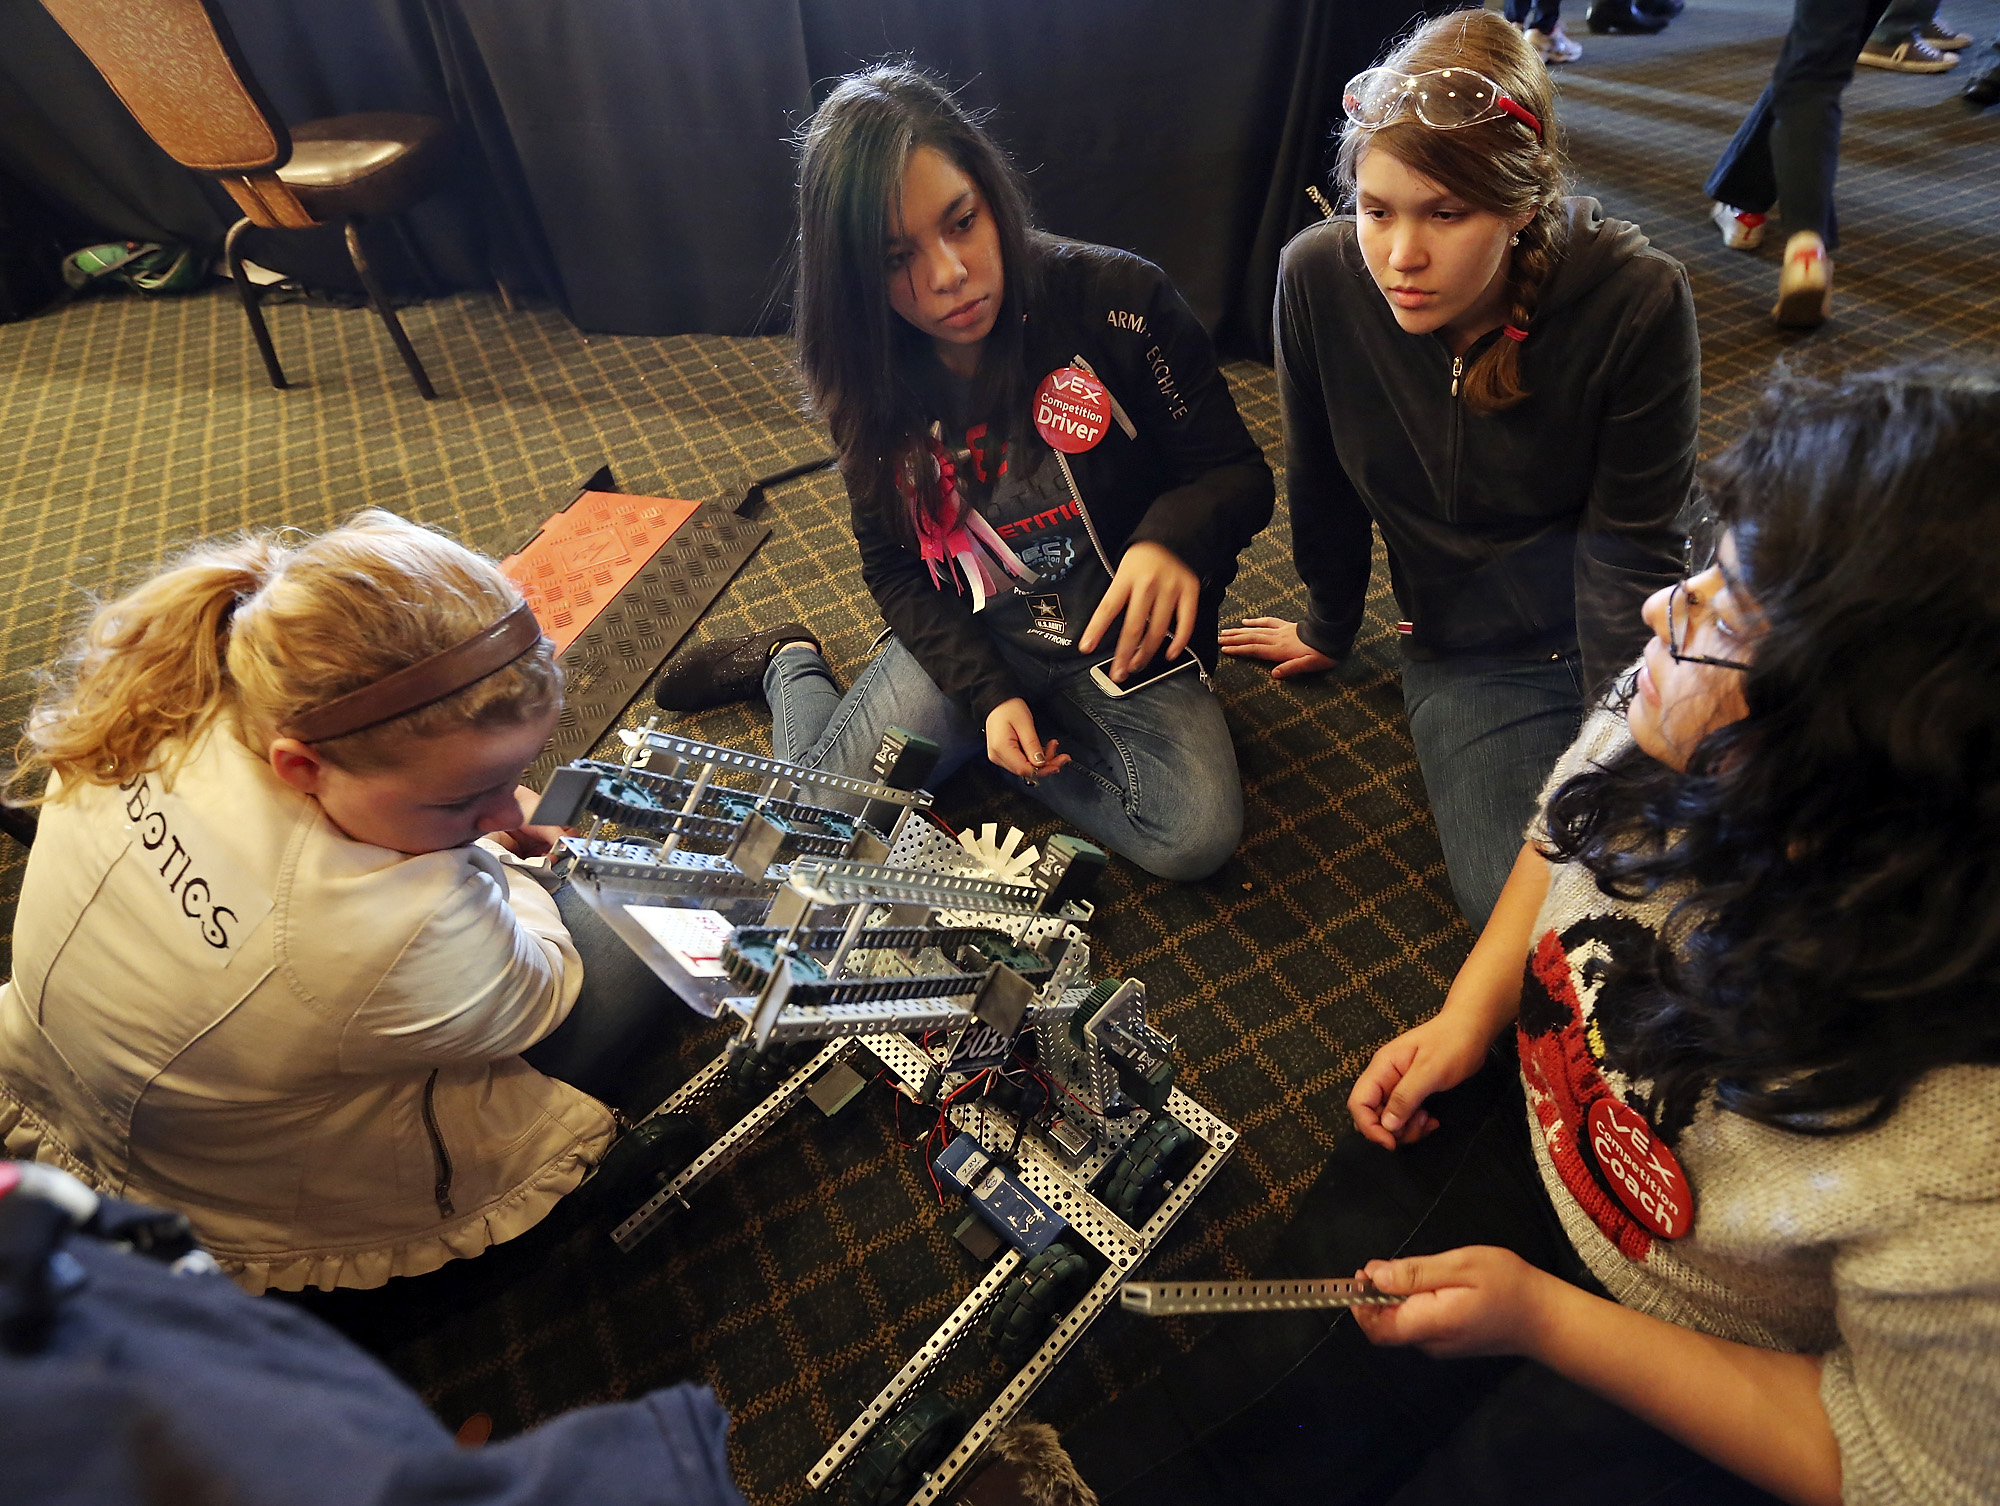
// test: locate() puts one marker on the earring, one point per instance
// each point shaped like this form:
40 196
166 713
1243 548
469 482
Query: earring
1516 239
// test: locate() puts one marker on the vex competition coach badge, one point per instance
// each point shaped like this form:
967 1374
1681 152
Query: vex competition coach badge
1642 1173
1072 410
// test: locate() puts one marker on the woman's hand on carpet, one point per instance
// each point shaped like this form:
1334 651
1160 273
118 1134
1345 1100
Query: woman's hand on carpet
1278 643
1387 1104
1470 1301
1013 743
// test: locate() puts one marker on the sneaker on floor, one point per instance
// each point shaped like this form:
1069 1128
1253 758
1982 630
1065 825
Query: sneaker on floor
1553 46
1805 284
1911 55
723 669
1741 229
1942 37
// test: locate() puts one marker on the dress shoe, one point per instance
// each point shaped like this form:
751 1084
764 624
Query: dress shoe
1984 87
1623 15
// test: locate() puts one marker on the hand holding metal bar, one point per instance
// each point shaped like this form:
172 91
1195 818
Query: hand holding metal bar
1173 1299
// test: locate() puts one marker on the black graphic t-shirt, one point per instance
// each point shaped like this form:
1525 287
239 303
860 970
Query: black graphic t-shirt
1019 488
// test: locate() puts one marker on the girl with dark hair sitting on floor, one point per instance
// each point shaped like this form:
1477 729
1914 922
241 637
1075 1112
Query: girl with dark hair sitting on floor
276 957
1744 1230
1045 469
1505 382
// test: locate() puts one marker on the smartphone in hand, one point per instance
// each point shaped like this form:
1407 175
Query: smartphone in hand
1150 673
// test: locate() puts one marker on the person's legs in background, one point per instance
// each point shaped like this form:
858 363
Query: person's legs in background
1909 39
1541 23
1644 17
1787 151
1487 733
1983 88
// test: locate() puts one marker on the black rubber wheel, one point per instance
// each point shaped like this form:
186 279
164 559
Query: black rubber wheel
1130 1185
648 1156
755 1074
1046 1287
893 1465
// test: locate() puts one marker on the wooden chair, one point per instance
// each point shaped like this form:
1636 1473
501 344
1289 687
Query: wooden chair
178 70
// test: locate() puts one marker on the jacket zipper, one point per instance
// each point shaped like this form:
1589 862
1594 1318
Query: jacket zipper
441 1190
1089 527
1124 419
1451 448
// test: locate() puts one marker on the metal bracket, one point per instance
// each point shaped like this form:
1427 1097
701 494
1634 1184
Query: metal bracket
1165 1299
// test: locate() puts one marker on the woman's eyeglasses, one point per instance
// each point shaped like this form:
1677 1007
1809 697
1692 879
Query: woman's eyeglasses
1679 625
1442 98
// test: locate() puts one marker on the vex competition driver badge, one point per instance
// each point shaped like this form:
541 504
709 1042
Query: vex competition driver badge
1072 410
1640 1170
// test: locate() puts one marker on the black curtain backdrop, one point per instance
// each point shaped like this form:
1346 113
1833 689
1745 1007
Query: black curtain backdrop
631 158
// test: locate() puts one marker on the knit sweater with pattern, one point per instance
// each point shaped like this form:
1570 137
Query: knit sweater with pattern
1879 1250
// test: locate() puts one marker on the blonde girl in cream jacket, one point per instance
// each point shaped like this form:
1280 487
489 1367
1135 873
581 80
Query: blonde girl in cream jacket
275 957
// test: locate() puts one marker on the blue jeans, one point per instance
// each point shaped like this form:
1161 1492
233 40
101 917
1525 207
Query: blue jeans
1787 150
1152 775
1487 733
1901 18
1543 15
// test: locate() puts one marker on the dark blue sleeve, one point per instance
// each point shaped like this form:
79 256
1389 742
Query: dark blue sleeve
664 1450
153 1382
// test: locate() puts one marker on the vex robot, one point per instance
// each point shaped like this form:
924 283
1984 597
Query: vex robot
828 917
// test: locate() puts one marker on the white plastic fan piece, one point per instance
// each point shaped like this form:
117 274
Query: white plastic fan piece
997 855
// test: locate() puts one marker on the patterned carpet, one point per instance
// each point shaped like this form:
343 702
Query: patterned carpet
802 1278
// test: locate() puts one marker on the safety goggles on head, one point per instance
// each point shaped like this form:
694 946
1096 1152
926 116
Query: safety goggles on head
1442 98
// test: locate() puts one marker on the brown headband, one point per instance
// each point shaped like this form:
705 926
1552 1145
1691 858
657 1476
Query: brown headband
428 680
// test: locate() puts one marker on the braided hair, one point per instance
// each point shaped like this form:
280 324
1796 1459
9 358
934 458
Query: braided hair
1499 165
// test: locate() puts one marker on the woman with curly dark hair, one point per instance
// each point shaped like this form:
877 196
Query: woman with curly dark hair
1749 1242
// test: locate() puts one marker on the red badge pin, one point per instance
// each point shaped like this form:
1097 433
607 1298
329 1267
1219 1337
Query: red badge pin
1641 1171
1072 410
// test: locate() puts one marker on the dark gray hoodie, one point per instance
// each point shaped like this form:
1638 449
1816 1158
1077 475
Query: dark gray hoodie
1516 535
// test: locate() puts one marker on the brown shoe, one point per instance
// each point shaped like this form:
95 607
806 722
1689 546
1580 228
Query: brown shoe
1805 284
1911 55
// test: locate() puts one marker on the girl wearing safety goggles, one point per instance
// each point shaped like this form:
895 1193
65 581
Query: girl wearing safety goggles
1506 383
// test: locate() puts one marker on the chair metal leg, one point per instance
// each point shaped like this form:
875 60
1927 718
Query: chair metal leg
380 302
414 254
252 296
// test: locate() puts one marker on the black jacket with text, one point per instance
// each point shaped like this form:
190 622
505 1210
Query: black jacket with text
1192 478
1521 534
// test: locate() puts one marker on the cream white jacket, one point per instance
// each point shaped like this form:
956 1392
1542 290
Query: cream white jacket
305 1043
